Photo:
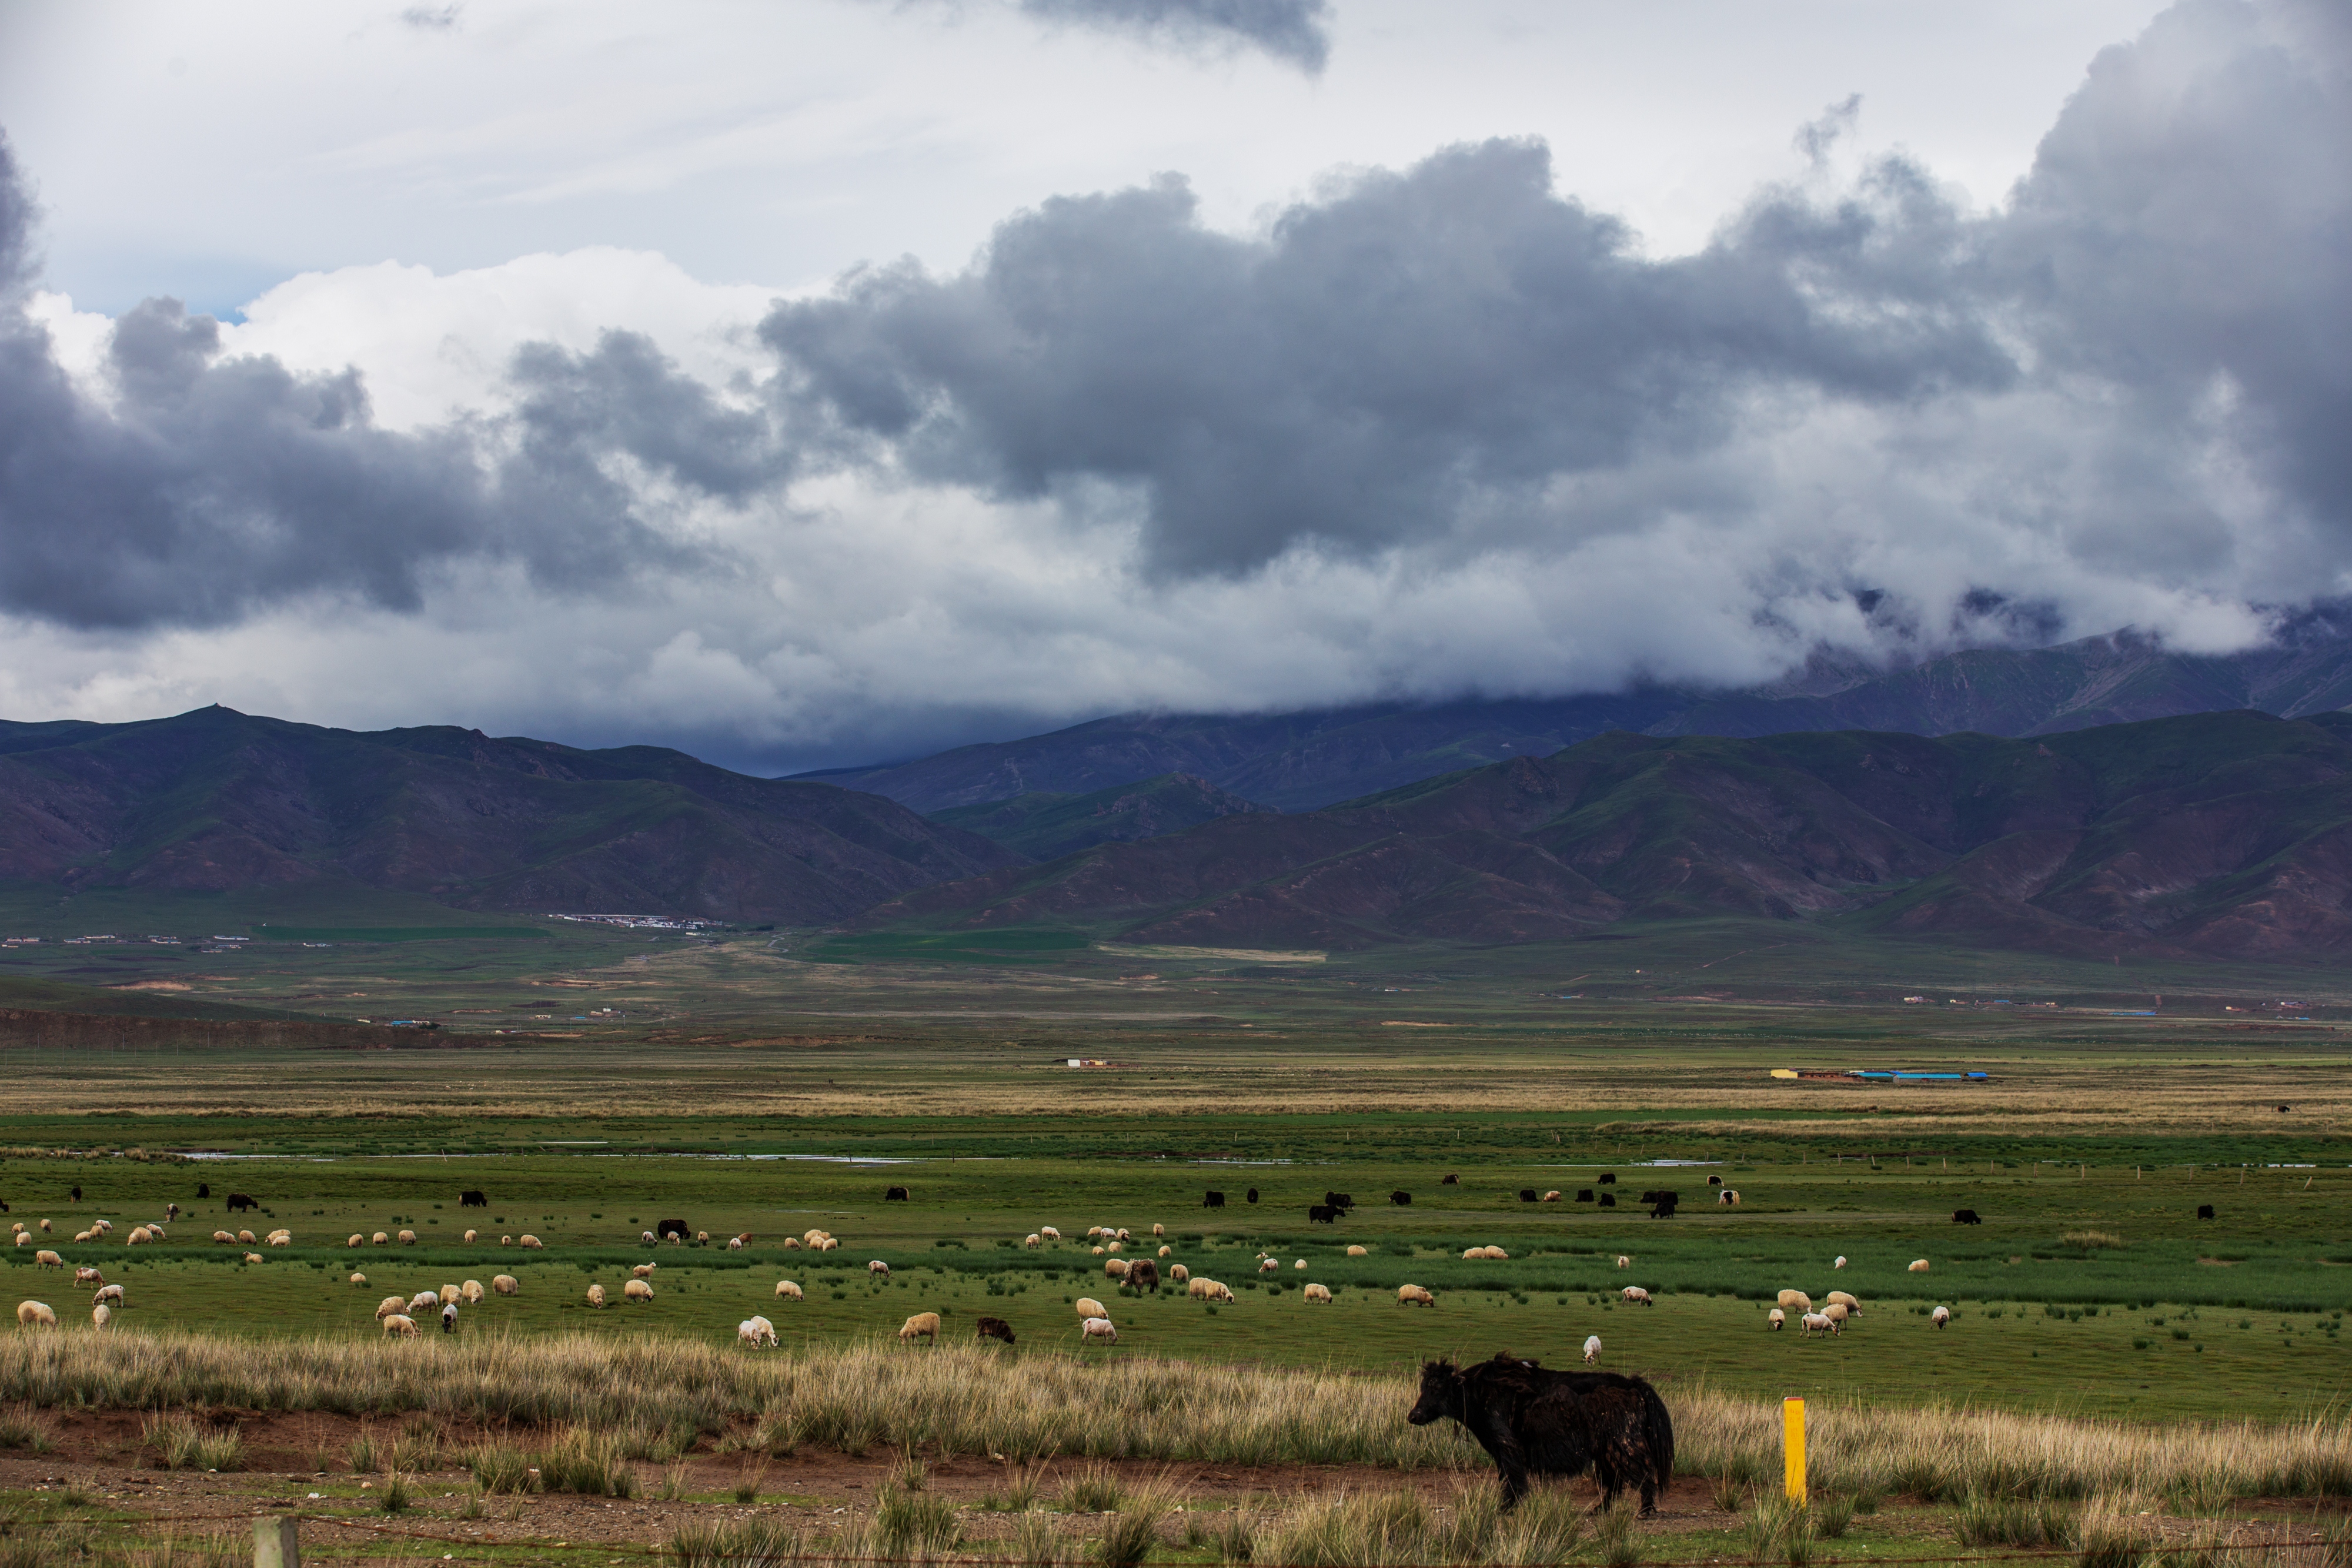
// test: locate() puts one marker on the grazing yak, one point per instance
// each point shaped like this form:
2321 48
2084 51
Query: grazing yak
2204 1211
1402 1199
1608 1200
668 1229
894 1194
1342 1201
996 1329
1608 1178
473 1197
1322 1214
1449 1179
1250 1196
237 1202
1143 1274
1584 1194
1967 1217
1534 1421
1528 1195
1212 1200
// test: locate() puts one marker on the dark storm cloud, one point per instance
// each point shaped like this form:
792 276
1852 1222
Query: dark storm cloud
215 487
1381 358
1292 30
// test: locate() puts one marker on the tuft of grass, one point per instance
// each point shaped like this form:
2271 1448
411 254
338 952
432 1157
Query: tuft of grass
736 1544
498 1467
2090 1241
361 1454
1614 1538
20 1429
749 1476
1833 1518
589 1463
1130 1534
913 1523
1093 1489
673 1485
394 1496
180 1444
1037 1543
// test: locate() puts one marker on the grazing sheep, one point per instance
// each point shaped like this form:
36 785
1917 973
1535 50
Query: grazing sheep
1159 1230
1839 1299
1796 1301
1032 1240
828 1245
99 1315
922 1326
357 1239
1553 1197
470 1235
48 1259
792 1243
642 1270
735 1244
1087 1307
473 1292
995 1328
389 1305
35 1314
450 1293
1776 1318
1268 1265
1841 1262
877 1269
1167 1251
400 1325
1114 1247
108 1293
1815 1322
1317 1293
253 1256
281 1239
449 1317
1940 1316
1115 1267
646 1237
531 1242
104 1227
44 1228
1835 1314
1496 1253
812 1236
1049 1233
1207 1289
1123 1235
1636 1296
1100 1329
1592 1350
595 1296
1301 1263
1358 1251
1179 1272
424 1301
1472 1253
408 1239
1095 1250
139 1236
638 1290
89 1276
225 1235
379 1238
1623 1261
358 1279
506 1241
700 1237
247 1238
1728 1196
1414 1296
504 1284
1918 1265
755 1331
787 1291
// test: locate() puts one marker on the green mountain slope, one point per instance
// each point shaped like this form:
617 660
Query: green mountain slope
1046 826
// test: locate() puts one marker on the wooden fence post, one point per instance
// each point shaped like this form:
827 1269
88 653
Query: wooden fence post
276 1543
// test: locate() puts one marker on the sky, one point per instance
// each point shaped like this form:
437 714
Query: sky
813 382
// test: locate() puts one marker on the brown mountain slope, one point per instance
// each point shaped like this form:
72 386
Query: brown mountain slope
217 801
2220 834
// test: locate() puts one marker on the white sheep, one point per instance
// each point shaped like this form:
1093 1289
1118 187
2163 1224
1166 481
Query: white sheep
1415 1296
451 1292
1167 1251
35 1314
1623 1261
1087 1307
1354 1252
99 1314
356 1240
1115 1267
1636 1296
595 1296
379 1238
253 1256
1179 1273
505 1285
789 1292
1841 1262
470 1235
734 1244
1032 1240
1317 1293
48 1259
1776 1318
281 1239
389 1305
755 1331
532 1243
230 1236
1918 1265
1049 1233
1592 1350
1300 1264
638 1290
644 1271
1269 1265
646 1237
1940 1316
247 1238
1850 1303
424 1301
44 1228
1815 1323
792 1243
473 1292
400 1325
408 1239
877 1270
85 1275
1553 1197
108 1293
1159 1230
1100 1329
1796 1301
1835 1314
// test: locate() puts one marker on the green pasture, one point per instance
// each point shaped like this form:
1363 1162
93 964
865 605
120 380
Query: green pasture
2237 1316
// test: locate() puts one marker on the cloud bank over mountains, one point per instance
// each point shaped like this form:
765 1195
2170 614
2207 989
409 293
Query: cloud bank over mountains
1435 430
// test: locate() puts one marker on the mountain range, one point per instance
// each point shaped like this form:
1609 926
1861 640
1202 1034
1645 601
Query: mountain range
216 800
1303 760
2215 835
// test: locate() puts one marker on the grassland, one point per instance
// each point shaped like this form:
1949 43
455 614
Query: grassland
593 1082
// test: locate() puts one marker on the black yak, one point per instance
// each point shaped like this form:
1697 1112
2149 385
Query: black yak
1342 1201
472 1198
1537 1422
1143 1274
1212 1200
237 1200
669 1227
1584 1194
1608 1178
1322 1214
996 1328
1251 1195
1967 1217
1608 1200
1528 1195
894 1194
1450 1179
1402 1199
204 1189
2204 1211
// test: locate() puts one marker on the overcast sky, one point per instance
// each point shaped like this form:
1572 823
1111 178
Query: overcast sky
806 383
